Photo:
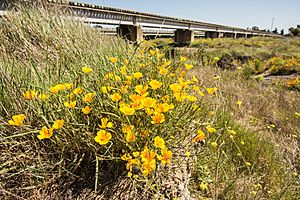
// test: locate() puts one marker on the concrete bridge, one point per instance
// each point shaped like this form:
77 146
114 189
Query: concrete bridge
130 23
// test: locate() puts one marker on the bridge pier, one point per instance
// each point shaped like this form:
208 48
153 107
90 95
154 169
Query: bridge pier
213 34
131 32
184 36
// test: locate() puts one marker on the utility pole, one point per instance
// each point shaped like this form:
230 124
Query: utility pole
272 23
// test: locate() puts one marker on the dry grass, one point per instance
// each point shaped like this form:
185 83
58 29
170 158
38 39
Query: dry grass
39 49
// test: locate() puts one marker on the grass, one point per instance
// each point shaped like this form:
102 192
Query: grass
253 153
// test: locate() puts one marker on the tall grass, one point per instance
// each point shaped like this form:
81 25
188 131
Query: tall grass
249 151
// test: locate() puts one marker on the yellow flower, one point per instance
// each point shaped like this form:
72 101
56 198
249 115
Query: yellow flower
132 162
86 70
114 60
58 124
203 186
123 70
180 96
105 123
141 90
149 166
53 90
196 88
211 91
137 75
158 118
231 132
77 91
123 89
70 104
127 128
129 78
199 137
135 98
105 89
201 94
176 88
188 66
29 94
163 71
71 96
159 142
136 154
69 85
148 102
126 157
153 52
86 110
188 154
172 74
17 120
210 129
239 102
116 97
182 73
128 82
166 156
155 84
145 133
182 59
103 137
43 96
297 114
167 63
248 163
214 144
149 111
60 87
194 79
130 137
125 61
146 155
184 84
191 98
45 133
117 78
164 107
89 97
127 110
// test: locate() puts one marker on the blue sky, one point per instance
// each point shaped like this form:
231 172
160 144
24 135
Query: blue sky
239 13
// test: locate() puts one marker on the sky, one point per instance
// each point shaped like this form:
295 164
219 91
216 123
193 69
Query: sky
238 13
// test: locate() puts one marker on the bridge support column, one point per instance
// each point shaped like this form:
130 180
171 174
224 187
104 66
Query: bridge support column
131 32
212 34
184 36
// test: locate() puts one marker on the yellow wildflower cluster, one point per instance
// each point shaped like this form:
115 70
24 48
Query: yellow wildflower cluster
131 109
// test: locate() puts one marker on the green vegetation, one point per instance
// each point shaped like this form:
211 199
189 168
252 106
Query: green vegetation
139 122
294 31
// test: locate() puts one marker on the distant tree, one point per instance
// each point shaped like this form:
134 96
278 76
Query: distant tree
255 28
275 31
282 32
294 31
